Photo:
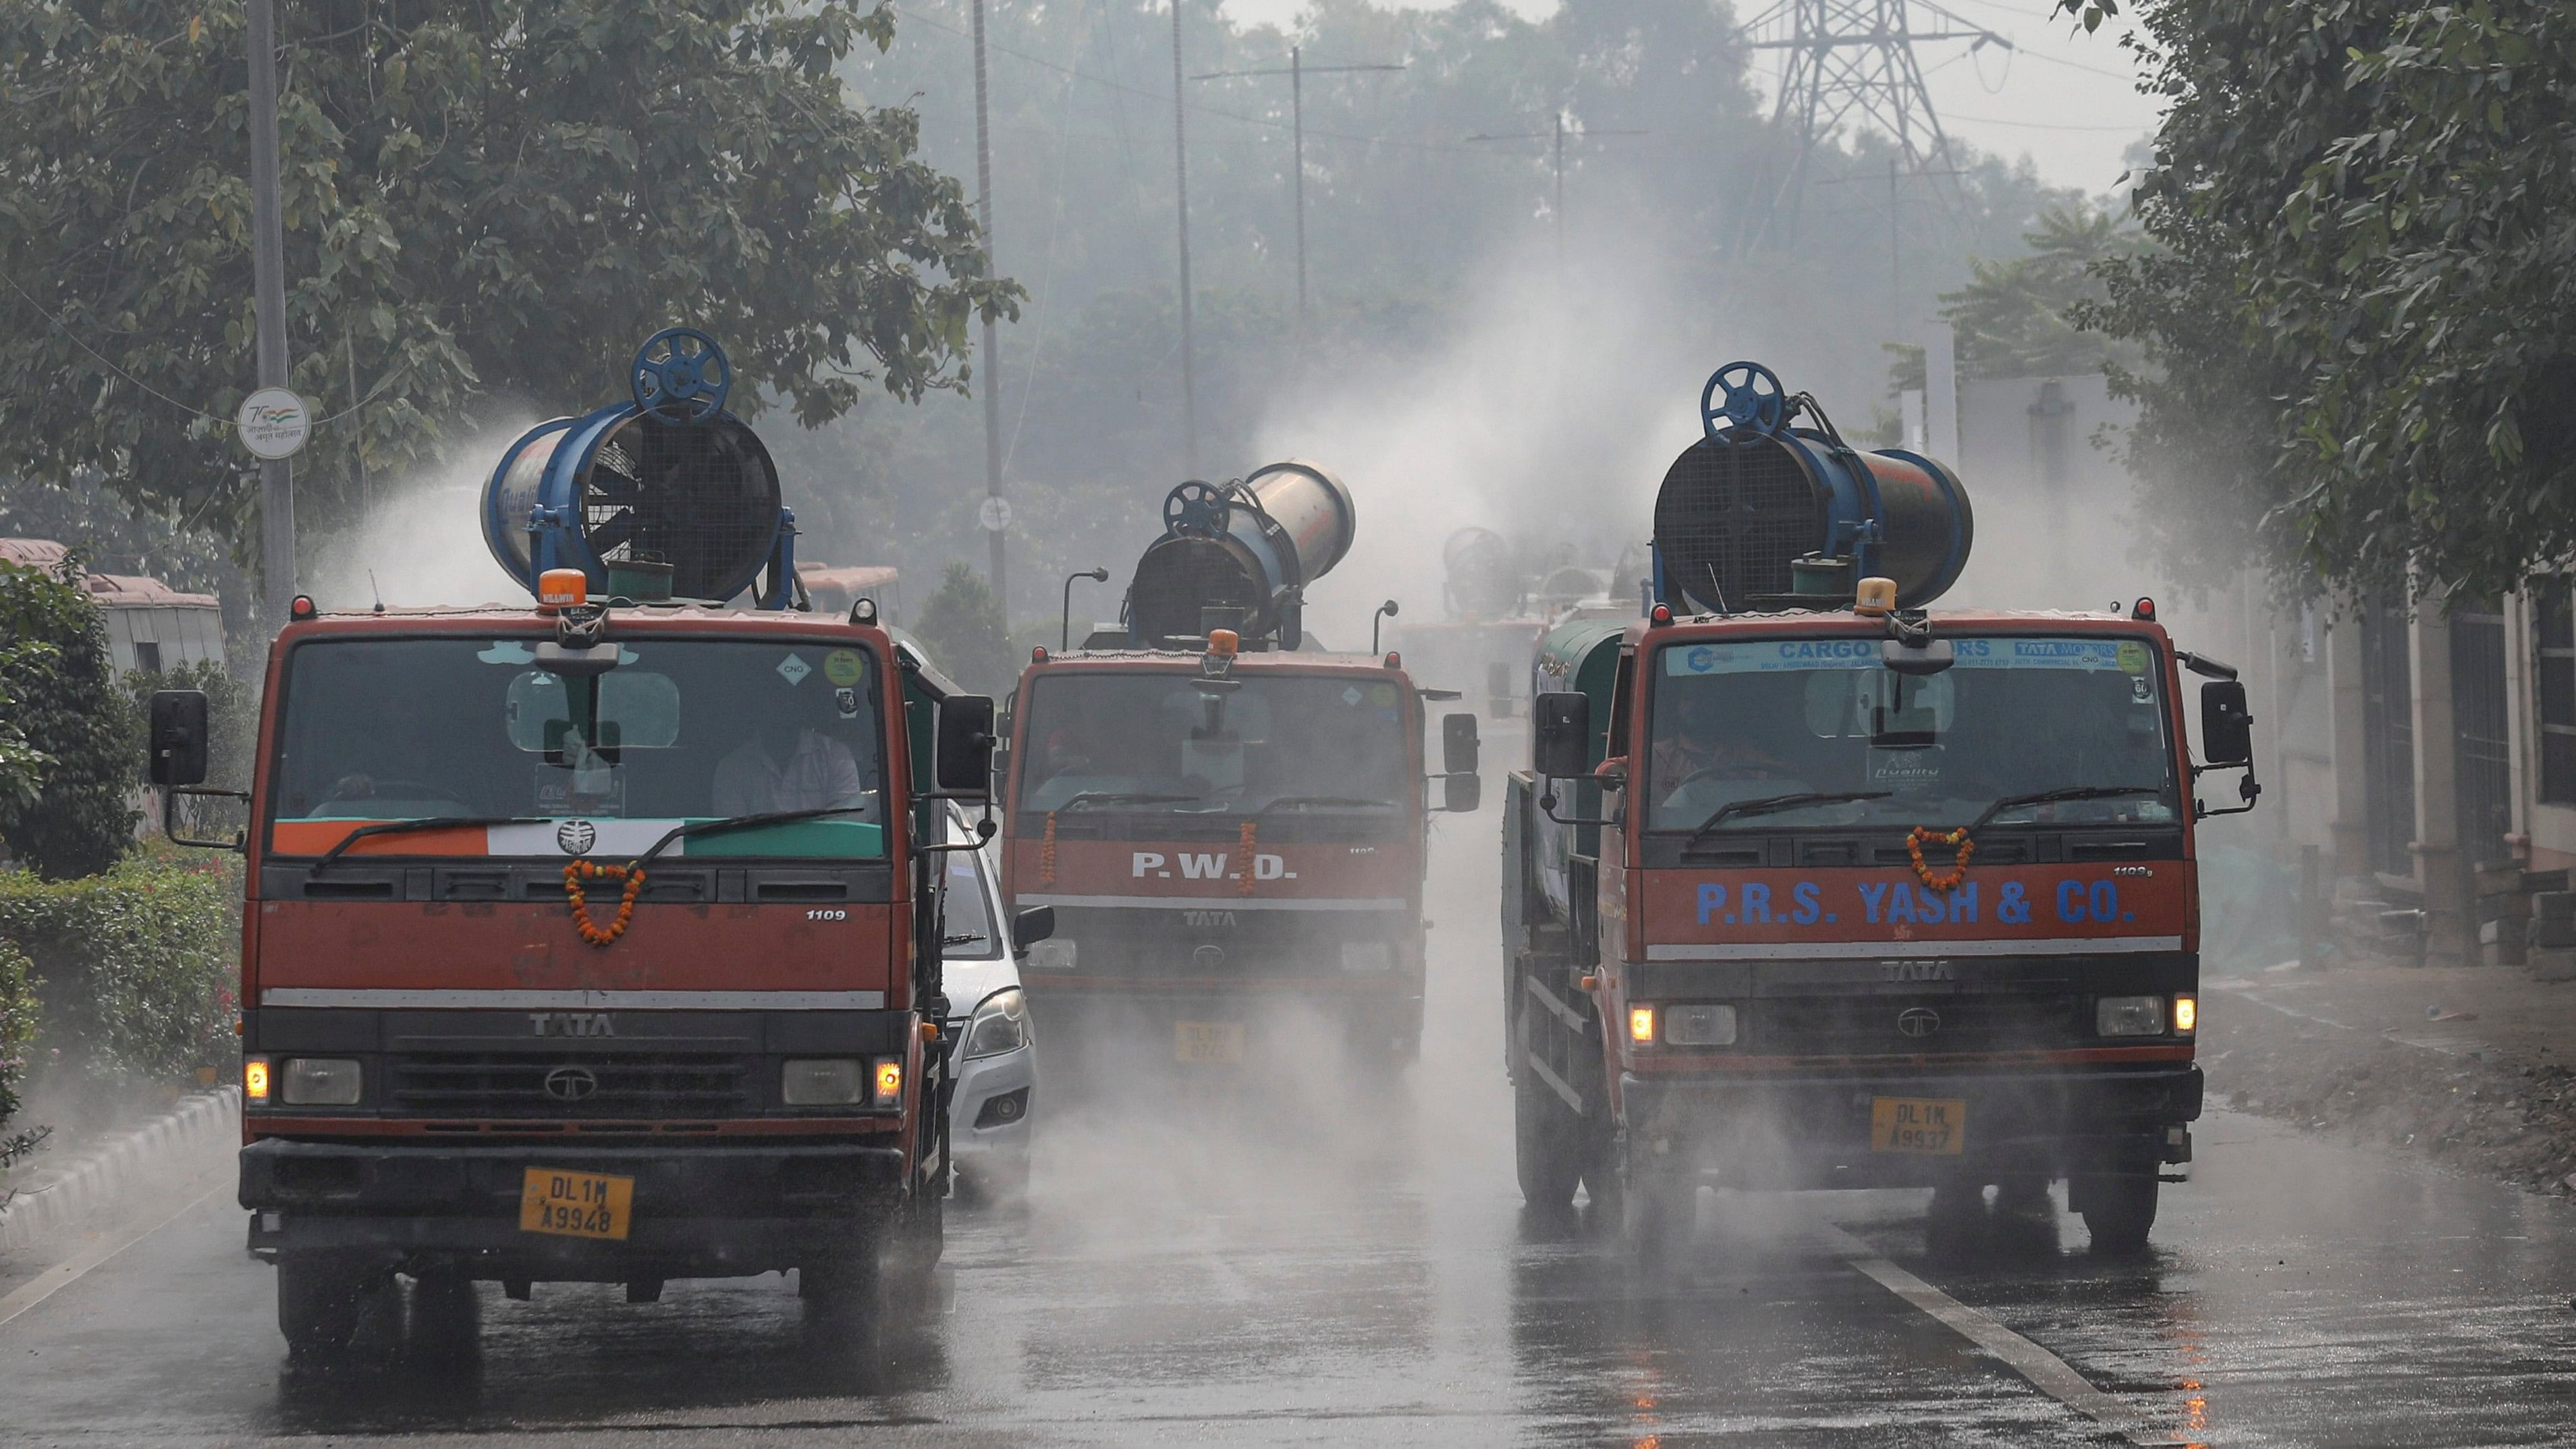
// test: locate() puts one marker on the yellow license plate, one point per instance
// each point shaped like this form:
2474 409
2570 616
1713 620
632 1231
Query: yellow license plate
1208 1043
576 1204
1918 1124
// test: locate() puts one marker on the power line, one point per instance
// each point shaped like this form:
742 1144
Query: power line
1297 71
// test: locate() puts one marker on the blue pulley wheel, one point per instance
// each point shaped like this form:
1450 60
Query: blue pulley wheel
1195 507
1755 401
681 376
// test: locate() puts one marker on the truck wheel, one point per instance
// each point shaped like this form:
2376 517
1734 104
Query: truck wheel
446 1318
2118 1210
320 1300
1547 1144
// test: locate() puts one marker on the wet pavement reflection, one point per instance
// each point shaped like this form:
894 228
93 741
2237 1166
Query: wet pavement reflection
1314 1258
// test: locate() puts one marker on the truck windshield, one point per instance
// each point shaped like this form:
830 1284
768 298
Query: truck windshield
680 730
1155 742
1755 721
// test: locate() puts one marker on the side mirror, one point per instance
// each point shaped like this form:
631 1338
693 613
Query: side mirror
1458 744
963 753
1561 735
178 737
1031 926
2226 723
1462 792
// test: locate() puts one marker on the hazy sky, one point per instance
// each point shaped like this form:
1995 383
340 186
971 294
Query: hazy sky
2061 97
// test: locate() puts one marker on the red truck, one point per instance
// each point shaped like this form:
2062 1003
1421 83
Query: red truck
592 941
1229 828
1811 888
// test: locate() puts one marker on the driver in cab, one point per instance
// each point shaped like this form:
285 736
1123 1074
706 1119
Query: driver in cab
789 764
1703 744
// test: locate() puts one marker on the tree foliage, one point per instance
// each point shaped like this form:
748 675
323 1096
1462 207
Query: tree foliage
481 197
2363 324
2025 316
65 702
962 628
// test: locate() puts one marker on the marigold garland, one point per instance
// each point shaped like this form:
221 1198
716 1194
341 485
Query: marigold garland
1046 853
575 872
1958 872
1243 882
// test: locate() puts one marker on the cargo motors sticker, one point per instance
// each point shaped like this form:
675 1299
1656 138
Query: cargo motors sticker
1196 865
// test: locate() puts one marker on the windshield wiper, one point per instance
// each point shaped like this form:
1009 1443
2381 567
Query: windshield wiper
742 822
1349 800
1123 797
1770 803
435 822
2060 796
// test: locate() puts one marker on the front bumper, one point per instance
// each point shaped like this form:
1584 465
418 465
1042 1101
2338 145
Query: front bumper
697 1212
1813 1130
988 1116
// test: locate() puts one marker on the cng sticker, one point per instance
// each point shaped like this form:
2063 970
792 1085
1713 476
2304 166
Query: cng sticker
793 669
2133 657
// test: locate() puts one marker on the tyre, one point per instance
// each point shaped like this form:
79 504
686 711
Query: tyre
1547 1143
446 1318
320 1300
2119 1211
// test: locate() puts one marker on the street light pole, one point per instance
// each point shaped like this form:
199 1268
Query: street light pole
268 294
1297 72
992 337
1181 200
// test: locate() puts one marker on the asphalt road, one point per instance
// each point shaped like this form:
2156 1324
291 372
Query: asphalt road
1301 1262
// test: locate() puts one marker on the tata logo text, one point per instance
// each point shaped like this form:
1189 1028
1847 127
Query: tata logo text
1198 865
1918 971
570 1023
1208 919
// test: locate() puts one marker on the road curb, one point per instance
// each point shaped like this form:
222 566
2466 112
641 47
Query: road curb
173 1147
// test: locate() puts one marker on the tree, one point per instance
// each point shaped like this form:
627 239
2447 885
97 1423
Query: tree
482 198
2373 198
961 626
64 698
2024 316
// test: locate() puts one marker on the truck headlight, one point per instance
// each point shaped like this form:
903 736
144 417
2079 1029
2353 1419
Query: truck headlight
321 1082
2129 1016
828 1082
1367 956
1053 954
1001 1025
1701 1024
889 1081
1641 1024
2186 1015
255 1079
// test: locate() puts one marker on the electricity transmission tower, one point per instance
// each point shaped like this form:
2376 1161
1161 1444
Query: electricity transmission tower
1850 63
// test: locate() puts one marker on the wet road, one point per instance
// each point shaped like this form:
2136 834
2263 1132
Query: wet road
1263 1270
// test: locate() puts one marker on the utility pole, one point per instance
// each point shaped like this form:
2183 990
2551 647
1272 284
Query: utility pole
992 337
1895 258
1297 72
268 294
1555 137
1181 205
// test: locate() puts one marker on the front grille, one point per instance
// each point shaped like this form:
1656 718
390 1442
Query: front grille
1729 519
1875 1025
624 1084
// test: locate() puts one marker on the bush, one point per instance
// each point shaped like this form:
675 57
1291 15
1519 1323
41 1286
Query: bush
137 965
17 1029
64 701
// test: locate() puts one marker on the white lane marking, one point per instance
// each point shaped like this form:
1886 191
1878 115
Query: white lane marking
2045 1370
65 1273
